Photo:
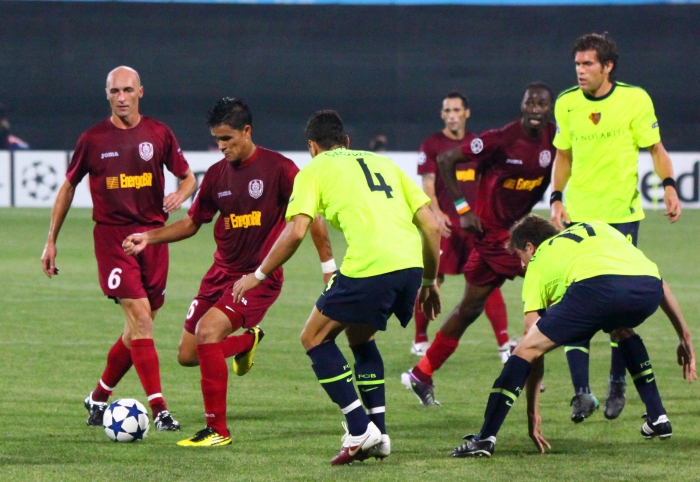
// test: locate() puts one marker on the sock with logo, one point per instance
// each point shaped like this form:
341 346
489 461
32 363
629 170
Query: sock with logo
506 390
422 322
369 376
118 364
335 376
495 309
577 357
440 350
214 370
145 358
618 369
636 357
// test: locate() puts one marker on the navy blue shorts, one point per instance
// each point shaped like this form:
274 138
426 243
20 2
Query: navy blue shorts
371 300
601 303
630 230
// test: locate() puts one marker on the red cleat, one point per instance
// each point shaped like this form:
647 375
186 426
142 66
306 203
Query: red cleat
356 447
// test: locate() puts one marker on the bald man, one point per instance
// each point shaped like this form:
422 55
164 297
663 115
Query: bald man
124 156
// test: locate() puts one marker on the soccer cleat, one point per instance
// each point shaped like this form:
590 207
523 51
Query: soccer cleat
207 437
661 428
380 451
615 401
505 350
473 447
422 390
166 423
420 348
356 447
584 405
96 411
242 362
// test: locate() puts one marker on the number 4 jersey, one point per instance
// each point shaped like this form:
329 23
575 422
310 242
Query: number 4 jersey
371 200
583 251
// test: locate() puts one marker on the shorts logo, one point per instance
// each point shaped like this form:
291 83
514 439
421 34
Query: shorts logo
477 145
545 158
655 125
422 158
255 188
146 151
595 117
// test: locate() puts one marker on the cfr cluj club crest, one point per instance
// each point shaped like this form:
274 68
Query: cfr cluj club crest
255 188
595 117
146 151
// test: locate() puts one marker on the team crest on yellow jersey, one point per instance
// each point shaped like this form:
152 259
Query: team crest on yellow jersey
595 117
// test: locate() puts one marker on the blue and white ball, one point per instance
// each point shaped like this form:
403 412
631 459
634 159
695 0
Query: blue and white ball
126 420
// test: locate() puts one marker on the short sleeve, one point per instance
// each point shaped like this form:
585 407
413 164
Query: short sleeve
79 166
427 164
562 138
414 195
203 208
481 148
174 159
645 126
305 198
533 294
289 172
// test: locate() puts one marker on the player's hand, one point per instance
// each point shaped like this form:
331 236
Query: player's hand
686 358
429 301
559 213
248 282
673 205
470 223
48 260
534 426
172 202
327 277
135 243
445 224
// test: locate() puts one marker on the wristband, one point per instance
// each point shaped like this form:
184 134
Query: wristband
555 196
669 181
328 266
259 275
462 206
429 282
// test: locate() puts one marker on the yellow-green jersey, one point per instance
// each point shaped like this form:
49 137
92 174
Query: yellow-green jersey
371 200
583 251
605 135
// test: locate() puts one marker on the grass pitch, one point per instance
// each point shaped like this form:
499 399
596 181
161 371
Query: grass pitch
55 334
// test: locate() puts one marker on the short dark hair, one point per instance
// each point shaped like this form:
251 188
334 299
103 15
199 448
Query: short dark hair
604 47
455 94
231 112
530 229
540 85
325 128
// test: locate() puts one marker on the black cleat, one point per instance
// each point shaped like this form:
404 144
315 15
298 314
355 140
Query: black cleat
473 447
96 411
584 405
615 401
166 423
661 428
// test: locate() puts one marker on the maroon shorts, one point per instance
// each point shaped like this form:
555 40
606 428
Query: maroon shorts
454 251
490 263
216 290
123 276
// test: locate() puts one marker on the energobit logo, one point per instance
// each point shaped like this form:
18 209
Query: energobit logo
521 184
235 221
466 175
126 182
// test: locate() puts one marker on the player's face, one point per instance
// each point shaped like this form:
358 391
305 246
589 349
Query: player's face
589 72
526 254
236 145
123 92
454 115
536 108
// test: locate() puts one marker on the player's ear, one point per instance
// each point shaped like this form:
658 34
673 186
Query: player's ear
140 91
347 142
467 114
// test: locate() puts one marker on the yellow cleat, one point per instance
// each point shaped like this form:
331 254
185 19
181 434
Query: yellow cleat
207 437
243 362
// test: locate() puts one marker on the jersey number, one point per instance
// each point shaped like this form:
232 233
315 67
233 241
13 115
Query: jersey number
382 186
575 237
114 280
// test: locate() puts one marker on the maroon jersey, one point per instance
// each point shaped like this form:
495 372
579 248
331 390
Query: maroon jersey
126 170
466 172
515 172
252 199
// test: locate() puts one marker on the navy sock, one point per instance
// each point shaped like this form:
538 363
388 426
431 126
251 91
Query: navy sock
334 373
577 357
369 376
504 393
618 369
637 359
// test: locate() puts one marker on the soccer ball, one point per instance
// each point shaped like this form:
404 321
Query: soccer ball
126 420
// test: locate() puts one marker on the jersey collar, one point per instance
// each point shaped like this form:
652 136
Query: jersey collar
597 99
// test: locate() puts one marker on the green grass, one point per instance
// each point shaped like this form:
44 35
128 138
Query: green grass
55 334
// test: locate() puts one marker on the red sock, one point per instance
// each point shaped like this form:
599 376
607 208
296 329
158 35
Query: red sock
421 324
440 350
118 363
498 316
235 344
212 365
143 353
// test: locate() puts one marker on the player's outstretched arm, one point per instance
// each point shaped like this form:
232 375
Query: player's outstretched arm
319 235
447 164
561 173
442 218
64 198
174 200
179 230
684 351
664 169
429 296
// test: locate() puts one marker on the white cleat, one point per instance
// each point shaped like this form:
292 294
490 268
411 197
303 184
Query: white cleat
420 348
505 350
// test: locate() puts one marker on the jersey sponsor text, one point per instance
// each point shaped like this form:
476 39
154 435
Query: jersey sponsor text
521 184
235 221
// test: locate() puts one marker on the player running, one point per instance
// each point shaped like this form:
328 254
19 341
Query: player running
515 162
250 188
455 243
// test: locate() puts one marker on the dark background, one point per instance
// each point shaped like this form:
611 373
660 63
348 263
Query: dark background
384 68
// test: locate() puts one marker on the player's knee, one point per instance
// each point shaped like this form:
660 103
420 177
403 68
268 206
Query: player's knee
142 327
619 334
187 358
208 332
308 341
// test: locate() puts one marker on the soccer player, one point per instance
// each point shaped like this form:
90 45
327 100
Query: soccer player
250 188
585 279
378 208
124 156
515 166
601 125
455 244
